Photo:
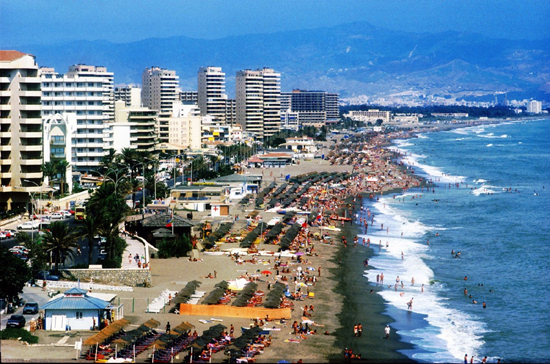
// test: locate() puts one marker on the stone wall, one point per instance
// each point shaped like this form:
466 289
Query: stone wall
128 277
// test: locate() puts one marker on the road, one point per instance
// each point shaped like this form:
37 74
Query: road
30 294
80 259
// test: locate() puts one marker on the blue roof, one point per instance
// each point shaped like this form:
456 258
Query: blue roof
76 302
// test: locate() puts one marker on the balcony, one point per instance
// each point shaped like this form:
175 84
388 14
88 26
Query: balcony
31 162
30 134
30 93
30 148
31 175
5 148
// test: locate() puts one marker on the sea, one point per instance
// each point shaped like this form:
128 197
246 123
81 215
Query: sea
480 235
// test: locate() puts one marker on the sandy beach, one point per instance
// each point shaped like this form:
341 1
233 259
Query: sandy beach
337 304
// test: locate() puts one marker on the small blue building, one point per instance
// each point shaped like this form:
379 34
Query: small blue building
75 310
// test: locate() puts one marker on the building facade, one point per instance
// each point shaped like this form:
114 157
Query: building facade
159 91
133 128
309 108
20 129
258 101
184 127
86 91
534 107
130 94
211 92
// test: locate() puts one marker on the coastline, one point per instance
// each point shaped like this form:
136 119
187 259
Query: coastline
342 296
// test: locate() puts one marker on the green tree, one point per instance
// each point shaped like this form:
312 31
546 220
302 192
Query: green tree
15 273
61 240
89 229
62 165
178 247
49 169
37 256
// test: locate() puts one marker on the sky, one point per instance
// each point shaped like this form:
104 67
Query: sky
28 22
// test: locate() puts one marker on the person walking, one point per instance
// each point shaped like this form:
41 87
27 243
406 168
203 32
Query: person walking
168 327
387 331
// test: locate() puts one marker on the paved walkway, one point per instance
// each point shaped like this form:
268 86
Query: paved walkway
134 247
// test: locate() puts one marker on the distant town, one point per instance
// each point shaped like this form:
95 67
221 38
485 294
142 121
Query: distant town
82 117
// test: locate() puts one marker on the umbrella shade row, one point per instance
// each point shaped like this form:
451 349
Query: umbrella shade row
289 236
214 296
274 232
212 333
249 239
218 234
184 295
275 295
246 293
245 339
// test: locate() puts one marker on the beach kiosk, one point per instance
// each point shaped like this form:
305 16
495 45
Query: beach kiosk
75 310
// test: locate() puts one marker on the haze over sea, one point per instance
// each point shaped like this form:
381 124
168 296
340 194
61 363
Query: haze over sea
491 203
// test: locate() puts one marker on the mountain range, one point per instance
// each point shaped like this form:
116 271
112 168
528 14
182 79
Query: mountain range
352 59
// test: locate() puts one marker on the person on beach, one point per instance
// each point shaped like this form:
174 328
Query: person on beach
387 331
472 359
466 359
381 278
355 330
412 281
410 304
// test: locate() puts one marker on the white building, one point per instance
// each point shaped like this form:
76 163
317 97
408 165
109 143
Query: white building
130 94
258 101
303 147
20 129
534 107
211 97
59 133
160 89
86 91
184 127
369 116
133 128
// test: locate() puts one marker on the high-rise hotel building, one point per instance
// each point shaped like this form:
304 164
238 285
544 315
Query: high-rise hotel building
20 129
159 91
212 99
86 91
258 101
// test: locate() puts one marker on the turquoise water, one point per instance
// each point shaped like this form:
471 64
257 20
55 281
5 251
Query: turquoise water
491 203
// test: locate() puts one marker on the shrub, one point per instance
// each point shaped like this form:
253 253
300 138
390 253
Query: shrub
14 334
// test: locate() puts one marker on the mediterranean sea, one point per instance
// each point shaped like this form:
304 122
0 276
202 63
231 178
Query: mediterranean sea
490 203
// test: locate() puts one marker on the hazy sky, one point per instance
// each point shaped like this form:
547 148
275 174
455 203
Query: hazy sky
24 22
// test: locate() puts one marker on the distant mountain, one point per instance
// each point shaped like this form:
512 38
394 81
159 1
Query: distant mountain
352 59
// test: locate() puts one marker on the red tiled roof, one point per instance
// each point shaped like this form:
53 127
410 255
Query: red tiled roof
7 56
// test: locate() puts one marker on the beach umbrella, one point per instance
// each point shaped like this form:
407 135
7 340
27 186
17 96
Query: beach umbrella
266 272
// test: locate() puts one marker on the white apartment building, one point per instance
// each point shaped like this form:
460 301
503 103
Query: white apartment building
371 116
258 101
133 128
211 92
184 128
159 91
534 107
130 94
20 129
86 91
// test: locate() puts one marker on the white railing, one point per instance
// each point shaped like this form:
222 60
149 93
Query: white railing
87 286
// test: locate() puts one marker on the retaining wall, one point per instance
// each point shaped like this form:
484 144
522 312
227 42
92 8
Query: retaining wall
128 277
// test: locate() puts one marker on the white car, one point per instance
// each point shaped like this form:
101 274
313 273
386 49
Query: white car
57 215
29 225
66 213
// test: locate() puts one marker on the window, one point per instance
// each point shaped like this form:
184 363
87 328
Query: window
78 315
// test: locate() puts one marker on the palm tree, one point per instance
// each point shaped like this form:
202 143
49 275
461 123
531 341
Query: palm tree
61 240
89 230
108 160
49 169
62 166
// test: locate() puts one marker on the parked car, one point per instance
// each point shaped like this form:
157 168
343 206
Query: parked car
16 321
3 235
66 213
29 225
30 308
46 276
10 233
20 248
102 255
57 216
